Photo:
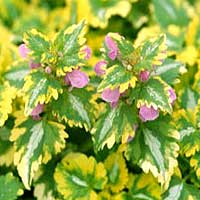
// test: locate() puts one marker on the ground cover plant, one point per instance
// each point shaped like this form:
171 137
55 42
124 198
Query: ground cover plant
99 99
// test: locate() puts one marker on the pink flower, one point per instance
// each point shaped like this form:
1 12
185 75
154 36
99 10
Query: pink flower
148 114
98 68
111 96
34 65
113 49
76 79
172 96
88 52
144 75
37 111
23 50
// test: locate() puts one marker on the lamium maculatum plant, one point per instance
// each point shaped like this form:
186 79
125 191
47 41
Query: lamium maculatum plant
99 100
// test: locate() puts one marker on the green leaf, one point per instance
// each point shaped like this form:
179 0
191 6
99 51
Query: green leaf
16 74
151 52
189 99
76 107
35 143
7 94
179 190
38 44
69 45
155 148
141 187
114 125
175 13
170 71
117 172
155 93
117 76
78 176
10 187
39 87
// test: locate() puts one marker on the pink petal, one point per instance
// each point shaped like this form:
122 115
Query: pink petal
23 50
144 75
98 68
88 52
148 114
37 110
34 65
110 96
113 49
76 79
172 96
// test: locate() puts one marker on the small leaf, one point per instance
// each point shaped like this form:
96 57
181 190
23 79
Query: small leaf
35 143
155 93
117 76
69 45
155 149
39 88
179 190
10 187
75 107
78 176
38 44
152 53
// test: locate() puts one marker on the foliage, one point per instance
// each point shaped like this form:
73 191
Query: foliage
99 100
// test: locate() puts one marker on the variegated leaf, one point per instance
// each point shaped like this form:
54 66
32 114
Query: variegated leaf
170 71
117 76
40 88
69 45
16 74
155 149
38 44
113 126
152 53
155 93
76 107
179 190
35 143
78 176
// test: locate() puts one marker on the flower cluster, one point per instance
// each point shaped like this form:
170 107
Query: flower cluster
112 95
